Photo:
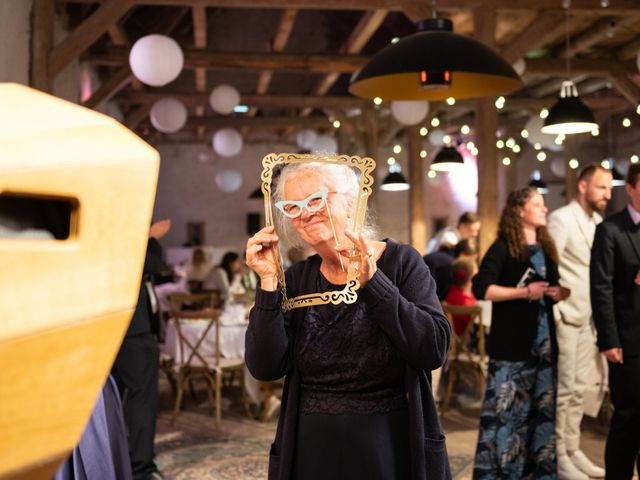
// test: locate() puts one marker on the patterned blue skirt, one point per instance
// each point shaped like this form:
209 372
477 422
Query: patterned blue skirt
517 426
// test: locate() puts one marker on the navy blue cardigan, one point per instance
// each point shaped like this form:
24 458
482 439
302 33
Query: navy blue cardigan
401 296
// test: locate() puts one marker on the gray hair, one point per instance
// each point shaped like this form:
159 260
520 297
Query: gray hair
342 178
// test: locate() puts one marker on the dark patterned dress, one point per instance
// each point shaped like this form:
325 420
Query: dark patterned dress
353 421
517 426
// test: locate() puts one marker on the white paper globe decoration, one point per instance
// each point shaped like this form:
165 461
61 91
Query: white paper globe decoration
520 66
168 115
533 126
409 112
436 137
306 139
224 98
156 60
227 142
623 165
325 144
229 180
559 167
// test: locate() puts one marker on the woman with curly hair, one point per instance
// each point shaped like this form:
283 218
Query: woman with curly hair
519 274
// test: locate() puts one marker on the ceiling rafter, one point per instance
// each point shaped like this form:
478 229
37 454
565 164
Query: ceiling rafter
578 7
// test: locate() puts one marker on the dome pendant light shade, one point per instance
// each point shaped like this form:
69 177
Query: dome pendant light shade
394 182
569 115
540 186
446 160
434 64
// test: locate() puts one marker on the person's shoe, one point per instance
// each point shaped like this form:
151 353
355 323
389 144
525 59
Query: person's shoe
568 471
586 466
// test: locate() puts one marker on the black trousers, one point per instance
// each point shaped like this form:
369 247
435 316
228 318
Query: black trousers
623 442
136 370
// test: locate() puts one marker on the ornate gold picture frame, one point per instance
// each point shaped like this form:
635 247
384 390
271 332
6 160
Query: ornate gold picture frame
365 166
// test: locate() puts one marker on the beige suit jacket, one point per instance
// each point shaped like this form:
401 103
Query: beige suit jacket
569 228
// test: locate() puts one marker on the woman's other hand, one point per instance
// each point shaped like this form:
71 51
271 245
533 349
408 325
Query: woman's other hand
367 253
557 293
535 290
262 259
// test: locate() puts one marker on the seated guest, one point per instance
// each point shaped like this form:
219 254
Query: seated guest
468 227
198 270
460 292
440 263
222 277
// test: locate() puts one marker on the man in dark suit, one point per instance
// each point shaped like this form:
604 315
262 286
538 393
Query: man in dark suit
136 366
615 300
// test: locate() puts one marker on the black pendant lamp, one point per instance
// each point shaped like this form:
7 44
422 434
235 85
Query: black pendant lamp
434 64
394 182
539 185
569 115
447 160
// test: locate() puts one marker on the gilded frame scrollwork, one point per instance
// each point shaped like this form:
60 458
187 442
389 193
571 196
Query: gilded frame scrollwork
366 166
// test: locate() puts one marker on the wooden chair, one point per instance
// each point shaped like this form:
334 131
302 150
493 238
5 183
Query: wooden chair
461 357
191 360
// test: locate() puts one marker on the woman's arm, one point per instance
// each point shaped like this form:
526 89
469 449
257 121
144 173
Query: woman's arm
410 313
533 291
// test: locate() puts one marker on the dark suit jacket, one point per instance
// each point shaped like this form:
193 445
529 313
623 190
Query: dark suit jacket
141 321
615 297
514 322
441 267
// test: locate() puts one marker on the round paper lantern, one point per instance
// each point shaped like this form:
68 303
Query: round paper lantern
436 137
156 60
623 165
168 115
558 167
306 139
227 142
520 66
325 144
533 126
409 112
229 180
224 98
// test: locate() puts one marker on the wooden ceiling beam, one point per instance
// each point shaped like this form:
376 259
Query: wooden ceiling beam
119 38
109 88
253 61
259 123
557 66
261 101
595 33
629 50
137 115
578 7
625 86
86 33
541 30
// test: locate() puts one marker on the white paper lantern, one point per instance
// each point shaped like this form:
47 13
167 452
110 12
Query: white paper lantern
533 126
409 112
325 144
436 137
227 142
229 180
168 115
623 165
224 98
559 167
156 60
520 66
306 139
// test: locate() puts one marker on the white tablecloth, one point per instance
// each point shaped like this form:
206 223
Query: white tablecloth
231 340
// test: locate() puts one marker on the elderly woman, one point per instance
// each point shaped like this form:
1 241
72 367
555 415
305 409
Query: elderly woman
519 273
356 402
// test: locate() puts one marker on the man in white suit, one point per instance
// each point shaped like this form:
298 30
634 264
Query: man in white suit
573 227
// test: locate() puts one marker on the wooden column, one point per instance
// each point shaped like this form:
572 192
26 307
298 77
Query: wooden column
571 148
41 44
418 229
486 126
371 143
